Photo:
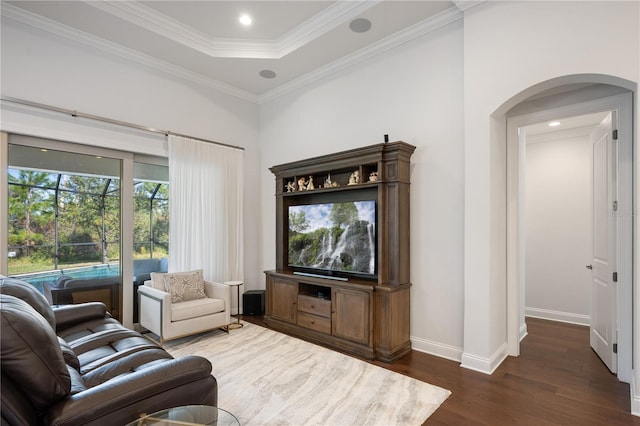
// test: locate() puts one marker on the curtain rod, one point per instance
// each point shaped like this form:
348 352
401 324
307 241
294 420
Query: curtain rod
74 113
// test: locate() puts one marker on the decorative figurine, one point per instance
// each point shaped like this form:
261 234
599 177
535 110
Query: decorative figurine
354 179
310 185
302 184
373 177
291 186
327 181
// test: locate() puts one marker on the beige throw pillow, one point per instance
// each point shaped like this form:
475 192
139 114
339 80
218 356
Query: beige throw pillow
185 286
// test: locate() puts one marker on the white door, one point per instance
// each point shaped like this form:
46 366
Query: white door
603 262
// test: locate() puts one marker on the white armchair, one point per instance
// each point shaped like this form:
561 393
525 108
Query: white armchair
172 320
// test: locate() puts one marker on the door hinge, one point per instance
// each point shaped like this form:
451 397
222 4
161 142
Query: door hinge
615 348
615 135
615 277
615 206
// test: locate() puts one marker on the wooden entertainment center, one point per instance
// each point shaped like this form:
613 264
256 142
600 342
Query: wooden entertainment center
367 316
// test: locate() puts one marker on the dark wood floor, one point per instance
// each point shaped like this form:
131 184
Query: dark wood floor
557 380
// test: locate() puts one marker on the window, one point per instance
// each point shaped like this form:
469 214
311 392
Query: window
63 210
150 220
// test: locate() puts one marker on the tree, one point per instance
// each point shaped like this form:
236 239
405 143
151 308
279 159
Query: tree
343 214
80 220
151 211
298 222
31 207
83 202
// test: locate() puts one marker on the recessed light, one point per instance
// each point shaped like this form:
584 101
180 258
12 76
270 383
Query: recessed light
360 25
44 150
245 20
267 74
554 124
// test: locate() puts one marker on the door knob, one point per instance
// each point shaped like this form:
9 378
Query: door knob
589 267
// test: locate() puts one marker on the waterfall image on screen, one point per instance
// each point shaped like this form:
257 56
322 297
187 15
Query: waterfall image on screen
333 236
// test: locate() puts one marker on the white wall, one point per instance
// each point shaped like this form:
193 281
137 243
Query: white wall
557 216
414 94
509 48
44 68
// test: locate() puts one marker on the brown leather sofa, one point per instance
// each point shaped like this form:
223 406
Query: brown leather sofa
76 365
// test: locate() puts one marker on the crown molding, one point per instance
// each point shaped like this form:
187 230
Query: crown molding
417 30
158 23
50 26
464 5
169 28
325 21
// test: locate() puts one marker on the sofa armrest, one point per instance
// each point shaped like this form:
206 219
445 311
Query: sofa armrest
154 308
47 288
122 399
68 315
218 291
152 292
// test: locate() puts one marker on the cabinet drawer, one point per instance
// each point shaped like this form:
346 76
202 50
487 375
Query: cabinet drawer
314 322
314 305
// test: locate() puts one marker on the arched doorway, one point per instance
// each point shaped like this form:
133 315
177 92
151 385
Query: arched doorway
566 96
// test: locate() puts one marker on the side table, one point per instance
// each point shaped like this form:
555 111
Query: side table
237 285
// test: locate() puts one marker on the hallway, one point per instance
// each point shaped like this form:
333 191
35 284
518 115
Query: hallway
557 380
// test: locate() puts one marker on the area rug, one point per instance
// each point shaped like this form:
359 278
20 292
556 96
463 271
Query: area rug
268 378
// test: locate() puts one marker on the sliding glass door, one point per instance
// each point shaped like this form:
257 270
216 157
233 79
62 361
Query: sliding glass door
69 212
82 211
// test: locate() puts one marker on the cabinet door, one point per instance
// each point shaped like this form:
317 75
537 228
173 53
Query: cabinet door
283 302
351 315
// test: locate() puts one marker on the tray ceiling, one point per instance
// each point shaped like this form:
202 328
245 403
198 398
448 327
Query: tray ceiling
299 41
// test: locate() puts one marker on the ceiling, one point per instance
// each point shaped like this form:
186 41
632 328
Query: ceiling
203 41
578 125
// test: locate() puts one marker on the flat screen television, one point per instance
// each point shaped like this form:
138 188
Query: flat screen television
335 239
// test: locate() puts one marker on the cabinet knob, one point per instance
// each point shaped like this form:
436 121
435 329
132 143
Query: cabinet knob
313 306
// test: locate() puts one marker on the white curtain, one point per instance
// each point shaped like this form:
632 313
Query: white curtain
206 209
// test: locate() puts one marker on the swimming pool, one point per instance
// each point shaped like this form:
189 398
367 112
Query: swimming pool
37 279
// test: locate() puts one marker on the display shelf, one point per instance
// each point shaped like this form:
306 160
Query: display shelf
365 315
334 189
335 179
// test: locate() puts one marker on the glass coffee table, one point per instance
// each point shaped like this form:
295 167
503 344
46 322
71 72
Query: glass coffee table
188 415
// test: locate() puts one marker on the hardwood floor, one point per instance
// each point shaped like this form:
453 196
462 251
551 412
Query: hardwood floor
557 380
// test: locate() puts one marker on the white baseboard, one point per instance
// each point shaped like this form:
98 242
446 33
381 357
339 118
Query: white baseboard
485 365
635 396
435 348
567 317
523 331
